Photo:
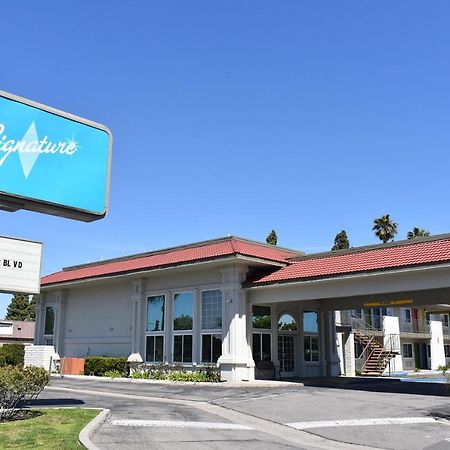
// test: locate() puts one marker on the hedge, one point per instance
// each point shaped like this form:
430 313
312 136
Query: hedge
98 365
12 355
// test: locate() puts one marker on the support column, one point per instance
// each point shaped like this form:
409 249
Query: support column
138 322
197 330
274 331
436 342
60 319
235 363
349 354
331 360
391 342
38 326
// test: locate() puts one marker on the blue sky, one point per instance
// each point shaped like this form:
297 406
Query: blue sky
241 116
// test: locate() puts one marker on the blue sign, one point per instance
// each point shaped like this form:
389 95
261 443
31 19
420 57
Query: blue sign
51 161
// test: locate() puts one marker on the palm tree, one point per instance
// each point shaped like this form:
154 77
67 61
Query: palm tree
385 229
417 232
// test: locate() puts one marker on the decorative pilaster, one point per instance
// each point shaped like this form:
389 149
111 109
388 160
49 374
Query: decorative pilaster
274 331
236 362
138 321
331 359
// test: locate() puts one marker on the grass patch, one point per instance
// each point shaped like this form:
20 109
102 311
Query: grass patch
46 429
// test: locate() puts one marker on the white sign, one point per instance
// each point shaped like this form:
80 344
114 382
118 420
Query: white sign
20 266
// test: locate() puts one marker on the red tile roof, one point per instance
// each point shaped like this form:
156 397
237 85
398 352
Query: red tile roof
201 251
381 257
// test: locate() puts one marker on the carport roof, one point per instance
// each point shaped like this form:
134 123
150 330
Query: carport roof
422 251
187 254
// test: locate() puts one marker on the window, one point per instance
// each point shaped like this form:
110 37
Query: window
183 320
407 315
211 321
445 321
183 311
287 323
155 313
212 310
261 317
447 350
262 347
311 348
155 349
407 350
182 348
154 341
49 324
429 351
211 347
310 322
428 317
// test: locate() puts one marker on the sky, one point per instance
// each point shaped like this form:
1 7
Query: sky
239 117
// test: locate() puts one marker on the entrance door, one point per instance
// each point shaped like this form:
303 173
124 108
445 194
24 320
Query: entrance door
286 354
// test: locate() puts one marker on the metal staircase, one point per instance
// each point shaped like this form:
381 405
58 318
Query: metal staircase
378 349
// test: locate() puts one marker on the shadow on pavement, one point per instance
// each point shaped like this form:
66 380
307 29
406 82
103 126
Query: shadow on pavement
55 402
378 385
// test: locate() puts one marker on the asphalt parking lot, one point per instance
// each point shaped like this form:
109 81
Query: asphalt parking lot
336 414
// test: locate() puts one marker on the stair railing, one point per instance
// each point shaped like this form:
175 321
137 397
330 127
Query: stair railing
365 328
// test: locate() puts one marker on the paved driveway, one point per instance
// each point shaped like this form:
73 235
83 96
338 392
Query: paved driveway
342 414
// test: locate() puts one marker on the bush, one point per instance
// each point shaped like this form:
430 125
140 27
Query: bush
444 369
17 387
12 355
114 374
99 365
177 373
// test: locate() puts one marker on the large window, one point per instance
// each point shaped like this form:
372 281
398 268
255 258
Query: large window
212 310
310 336
183 311
261 317
155 349
311 348
49 321
156 313
262 347
211 325
183 320
211 347
182 348
262 320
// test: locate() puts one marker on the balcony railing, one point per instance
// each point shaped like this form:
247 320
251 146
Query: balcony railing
414 326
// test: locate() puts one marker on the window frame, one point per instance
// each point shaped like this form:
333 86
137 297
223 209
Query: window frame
155 334
183 333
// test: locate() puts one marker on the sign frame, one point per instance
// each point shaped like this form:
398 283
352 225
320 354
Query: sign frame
39 277
13 202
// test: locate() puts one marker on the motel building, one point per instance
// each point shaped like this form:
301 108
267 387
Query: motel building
253 309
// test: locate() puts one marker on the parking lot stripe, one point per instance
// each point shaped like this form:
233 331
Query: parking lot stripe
361 422
178 424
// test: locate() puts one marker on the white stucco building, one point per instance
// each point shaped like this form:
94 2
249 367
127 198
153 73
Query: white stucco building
234 302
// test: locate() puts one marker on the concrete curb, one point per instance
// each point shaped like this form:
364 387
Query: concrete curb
88 431
255 383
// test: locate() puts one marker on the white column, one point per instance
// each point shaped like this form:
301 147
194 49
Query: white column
437 342
235 363
38 326
276 362
349 354
197 330
138 321
391 341
168 336
329 337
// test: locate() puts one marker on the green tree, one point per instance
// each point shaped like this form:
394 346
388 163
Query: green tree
417 232
341 241
20 308
385 229
272 238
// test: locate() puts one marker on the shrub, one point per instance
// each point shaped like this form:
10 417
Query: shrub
98 365
12 355
177 373
17 387
114 374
